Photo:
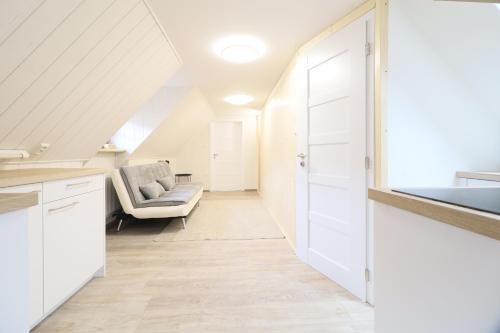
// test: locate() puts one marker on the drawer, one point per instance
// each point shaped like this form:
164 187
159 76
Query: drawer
66 188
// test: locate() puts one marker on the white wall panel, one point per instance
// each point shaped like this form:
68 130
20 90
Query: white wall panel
66 111
73 71
28 37
96 46
144 86
109 98
13 13
19 80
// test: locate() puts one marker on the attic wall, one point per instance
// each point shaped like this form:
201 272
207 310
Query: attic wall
148 118
443 107
191 116
73 71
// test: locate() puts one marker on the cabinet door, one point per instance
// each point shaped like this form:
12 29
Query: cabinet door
35 251
74 231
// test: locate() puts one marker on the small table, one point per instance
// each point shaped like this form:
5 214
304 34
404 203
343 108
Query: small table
178 176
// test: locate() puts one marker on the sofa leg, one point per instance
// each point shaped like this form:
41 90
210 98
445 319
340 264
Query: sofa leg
184 222
119 225
198 203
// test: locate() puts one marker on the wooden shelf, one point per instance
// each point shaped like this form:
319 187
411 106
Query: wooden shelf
103 150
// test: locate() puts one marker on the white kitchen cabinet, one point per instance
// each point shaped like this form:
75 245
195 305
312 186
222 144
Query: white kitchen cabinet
14 271
35 252
73 251
66 240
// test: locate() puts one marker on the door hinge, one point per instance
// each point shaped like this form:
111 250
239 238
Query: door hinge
367 275
367 162
368 49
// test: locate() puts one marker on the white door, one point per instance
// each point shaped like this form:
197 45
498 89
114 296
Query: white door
226 156
332 210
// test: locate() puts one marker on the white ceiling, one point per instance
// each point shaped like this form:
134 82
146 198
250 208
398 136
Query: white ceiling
284 25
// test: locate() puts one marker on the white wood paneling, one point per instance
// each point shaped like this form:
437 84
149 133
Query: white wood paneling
32 34
121 94
73 71
66 112
74 65
114 84
15 13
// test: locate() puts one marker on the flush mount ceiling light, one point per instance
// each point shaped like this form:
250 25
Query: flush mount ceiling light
239 49
238 99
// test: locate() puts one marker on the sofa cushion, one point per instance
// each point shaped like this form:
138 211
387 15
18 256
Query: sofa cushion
140 175
168 183
152 190
180 195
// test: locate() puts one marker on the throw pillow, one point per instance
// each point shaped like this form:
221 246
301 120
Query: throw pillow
167 182
152 190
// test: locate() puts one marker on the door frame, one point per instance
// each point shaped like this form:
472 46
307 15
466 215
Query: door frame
302 145
211 150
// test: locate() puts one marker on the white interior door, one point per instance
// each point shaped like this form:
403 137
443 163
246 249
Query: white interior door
332 213
226 156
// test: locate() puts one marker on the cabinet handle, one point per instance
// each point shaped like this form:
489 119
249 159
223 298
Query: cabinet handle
73 204
77 184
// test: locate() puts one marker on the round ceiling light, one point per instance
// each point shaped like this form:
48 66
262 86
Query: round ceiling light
239 49
238 99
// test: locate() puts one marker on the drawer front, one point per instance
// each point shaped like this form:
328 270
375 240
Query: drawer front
35 251
66 188
74 231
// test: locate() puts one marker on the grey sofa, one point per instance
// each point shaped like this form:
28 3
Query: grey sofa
178 202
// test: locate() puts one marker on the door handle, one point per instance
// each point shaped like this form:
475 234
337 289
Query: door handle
78 184
302 156
51 210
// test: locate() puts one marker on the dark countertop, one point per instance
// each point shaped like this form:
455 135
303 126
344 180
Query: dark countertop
474 220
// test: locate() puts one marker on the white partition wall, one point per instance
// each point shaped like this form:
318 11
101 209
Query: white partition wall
443 114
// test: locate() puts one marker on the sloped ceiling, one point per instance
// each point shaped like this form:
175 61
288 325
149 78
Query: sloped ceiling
73 71
191 115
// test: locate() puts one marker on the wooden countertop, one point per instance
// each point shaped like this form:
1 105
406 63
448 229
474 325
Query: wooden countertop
482 175
485 224
31 176
15 201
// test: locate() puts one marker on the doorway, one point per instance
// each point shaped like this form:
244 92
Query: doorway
334 153
226 156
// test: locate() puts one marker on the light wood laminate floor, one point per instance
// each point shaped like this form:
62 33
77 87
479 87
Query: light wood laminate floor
207 286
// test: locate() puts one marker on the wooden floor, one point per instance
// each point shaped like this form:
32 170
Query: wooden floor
204 287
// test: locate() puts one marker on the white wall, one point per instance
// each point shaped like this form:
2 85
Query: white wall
190 116
278 147
194 156
443 91
183 137
148 117
433 277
